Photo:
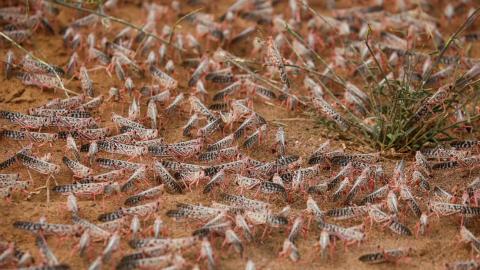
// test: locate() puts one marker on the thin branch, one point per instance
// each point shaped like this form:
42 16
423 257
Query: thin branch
177 23
452 38
375 59
114 19
314 12
39 60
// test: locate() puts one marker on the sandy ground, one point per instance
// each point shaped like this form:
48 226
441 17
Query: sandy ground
432 251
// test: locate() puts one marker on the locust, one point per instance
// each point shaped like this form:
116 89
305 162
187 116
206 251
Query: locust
37 164
246 182
117 164
347 212
79 170
194 211
40 80
137 175
256 137
226 153
344 172
364 176
72 122
141 210
164 244
274 58
210 128
9 177
296 229
175 103
322 105
216 179
155 261
182 167
387 255
244 202
86 134
36 137
265 218
27 121
46 252
104 177
223 76
468 237
46 228
445 209
9 58
291 249
31 65
93 230
199 71
120 148
227 91
170 183
163 78
349 235
144 195
223 143
88 189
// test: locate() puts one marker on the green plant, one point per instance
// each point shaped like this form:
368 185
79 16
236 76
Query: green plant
403 114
